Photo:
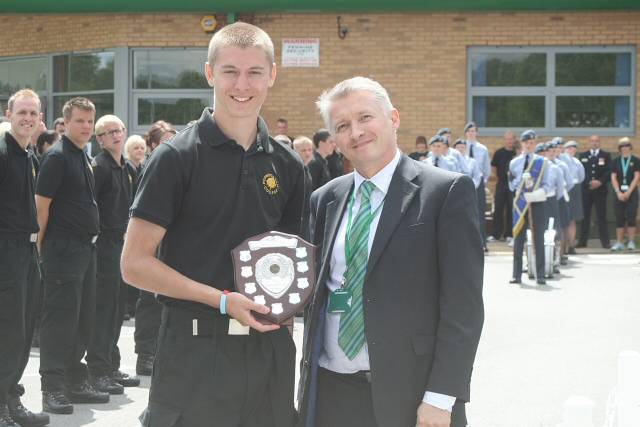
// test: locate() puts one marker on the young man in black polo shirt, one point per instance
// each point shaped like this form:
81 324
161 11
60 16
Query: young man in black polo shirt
202 193
68 220
503 196
318 166
18 260
114 179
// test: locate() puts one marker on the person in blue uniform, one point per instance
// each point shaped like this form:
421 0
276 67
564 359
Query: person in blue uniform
529 179
471 166
480 153
438 157
575 195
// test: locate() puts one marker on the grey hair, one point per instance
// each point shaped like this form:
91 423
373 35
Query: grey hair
348 86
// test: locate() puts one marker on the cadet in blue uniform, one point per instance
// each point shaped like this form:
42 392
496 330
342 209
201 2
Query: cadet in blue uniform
19 277
202 193
479 152
555 194
438 157
471 166
561 160
575 195
528 178
461 163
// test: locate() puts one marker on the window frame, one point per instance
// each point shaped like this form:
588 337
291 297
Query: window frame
550 91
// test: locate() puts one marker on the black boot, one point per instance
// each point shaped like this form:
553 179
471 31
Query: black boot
144 364
85 393
106 384
124 379
56 402
25 417
5 417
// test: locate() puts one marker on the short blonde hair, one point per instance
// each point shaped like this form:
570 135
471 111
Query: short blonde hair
302 140
242 35
109 118
131 141
22 93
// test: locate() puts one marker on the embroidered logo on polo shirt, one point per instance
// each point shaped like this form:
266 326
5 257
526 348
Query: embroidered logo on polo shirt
270 184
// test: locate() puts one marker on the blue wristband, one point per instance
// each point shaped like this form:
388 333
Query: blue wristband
223 303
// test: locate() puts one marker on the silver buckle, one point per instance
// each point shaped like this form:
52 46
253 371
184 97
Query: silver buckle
33 237
94 238
194 327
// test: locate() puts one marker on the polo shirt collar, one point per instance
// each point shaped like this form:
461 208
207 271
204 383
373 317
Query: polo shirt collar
13 144
112 161
65 140
208 130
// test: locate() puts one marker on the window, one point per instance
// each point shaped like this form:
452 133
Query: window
556 90
168 84
20 73
90 75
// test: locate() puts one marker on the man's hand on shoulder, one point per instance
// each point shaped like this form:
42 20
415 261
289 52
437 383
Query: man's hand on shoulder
430 416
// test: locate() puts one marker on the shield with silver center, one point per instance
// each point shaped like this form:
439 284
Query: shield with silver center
277 270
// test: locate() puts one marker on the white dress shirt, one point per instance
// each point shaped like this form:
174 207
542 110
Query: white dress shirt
332 357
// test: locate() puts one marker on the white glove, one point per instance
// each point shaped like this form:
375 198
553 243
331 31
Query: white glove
535 196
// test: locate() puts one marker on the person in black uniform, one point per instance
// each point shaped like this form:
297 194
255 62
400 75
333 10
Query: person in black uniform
69 225
422 150
19 277
625 177
597 167
318 166
502 216
114 179
202 193
335 162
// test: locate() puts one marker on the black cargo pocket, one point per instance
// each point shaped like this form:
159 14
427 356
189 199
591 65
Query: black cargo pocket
159 415
60 292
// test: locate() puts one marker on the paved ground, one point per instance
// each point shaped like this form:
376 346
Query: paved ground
539 346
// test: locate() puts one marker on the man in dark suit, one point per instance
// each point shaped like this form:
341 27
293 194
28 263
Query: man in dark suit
393 327
597 167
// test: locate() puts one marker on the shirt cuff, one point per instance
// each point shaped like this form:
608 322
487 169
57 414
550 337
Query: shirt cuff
440 401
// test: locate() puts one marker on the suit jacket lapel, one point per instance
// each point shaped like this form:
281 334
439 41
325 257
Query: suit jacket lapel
401 192
334 212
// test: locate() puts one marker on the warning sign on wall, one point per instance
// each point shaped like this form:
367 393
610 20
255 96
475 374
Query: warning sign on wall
301 52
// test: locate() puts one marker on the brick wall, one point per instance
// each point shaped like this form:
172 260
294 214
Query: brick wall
419 57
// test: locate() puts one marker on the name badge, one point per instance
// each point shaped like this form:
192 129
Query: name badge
624 187
601 161
584 160
340 301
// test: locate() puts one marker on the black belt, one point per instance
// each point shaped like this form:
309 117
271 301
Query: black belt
197 324
22 236
361 376
84 238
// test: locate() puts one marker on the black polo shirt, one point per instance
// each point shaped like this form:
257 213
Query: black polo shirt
419 156
335 164
114 192
67 178
501 159
634 166
17 185
319 171
210 195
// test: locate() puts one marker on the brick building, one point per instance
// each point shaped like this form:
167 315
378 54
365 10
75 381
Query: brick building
561 67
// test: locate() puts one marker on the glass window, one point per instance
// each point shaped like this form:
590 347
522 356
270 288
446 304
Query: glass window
593 69
16 74
509 111
508 69
169 69
83 72
177 111
592 111
103 103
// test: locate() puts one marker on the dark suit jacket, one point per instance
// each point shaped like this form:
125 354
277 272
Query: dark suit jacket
598 167
423 308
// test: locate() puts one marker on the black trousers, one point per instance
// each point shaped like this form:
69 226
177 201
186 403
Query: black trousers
148 311
539 221
482 201
122 309
343 401
68 311
599 199
20 289
108 314
213 378
503 214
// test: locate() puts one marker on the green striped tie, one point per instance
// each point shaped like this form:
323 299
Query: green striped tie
351 333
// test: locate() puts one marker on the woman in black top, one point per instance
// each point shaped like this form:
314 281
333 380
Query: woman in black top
625 174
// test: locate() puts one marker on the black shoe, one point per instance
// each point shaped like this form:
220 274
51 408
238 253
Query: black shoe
25 417
581 245
515 281
5 417
606 245
564 260
124 379
106 384
541 282
572 251
85 393
144 364
56 402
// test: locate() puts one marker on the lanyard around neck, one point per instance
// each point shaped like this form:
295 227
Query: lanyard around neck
625 168
347 248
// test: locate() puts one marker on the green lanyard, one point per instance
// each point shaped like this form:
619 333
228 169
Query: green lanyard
625 168
347 249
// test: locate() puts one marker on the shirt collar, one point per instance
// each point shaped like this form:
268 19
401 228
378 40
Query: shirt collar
112 161
65 140
209 131
382 179
13 145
